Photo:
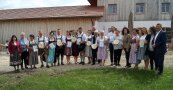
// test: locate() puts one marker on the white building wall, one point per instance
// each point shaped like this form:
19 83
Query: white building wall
120 24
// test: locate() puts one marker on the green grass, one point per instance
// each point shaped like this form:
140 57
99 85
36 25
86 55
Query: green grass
90 79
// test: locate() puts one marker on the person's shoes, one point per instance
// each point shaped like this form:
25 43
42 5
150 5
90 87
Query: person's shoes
62 63
22 68
159 73
111 64
35 67
51 65
26 67
129 66
17 71
80 63
93 64
41 66
119 65
83 63
47 66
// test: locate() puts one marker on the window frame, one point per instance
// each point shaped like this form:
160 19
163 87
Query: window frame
114 9
139 9
165 7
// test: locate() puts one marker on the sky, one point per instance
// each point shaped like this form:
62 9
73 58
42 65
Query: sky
13 4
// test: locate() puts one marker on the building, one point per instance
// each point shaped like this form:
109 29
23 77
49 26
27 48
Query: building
146 13
31 20
101 13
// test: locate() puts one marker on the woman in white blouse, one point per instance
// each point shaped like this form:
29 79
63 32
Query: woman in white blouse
102 48
142 48
118 48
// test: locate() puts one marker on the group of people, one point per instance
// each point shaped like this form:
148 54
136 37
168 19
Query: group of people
139 44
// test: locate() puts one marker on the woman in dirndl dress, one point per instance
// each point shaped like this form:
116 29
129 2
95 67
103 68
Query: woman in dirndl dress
143 47
102 48
75 51
134 48
51 49
15 53
88 49
68 47
33 52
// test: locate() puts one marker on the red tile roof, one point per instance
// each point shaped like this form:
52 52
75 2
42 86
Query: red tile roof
52 12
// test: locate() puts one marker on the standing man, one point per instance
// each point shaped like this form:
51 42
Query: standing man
159 44
81 45
59 48
24 55
42 48
111 38
94 41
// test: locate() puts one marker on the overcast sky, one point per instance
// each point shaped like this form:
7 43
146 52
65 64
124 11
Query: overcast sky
12 4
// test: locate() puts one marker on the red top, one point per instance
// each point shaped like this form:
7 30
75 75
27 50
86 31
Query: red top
11 47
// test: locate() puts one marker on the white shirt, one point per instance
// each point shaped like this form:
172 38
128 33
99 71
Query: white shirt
150 44
42 39
111 37
142 40
88 37
81 37
119 46
156 36
59 37
101 41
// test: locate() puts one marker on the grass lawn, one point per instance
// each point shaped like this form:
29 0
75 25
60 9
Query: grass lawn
90 79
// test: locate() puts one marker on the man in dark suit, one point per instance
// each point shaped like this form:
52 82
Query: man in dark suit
159 44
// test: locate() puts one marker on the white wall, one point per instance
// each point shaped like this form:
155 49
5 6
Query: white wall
120 24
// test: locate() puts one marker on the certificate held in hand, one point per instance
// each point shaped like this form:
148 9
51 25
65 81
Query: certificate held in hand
69 44
35 48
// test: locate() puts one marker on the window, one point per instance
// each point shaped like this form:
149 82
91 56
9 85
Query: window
140 8
112 8
165 7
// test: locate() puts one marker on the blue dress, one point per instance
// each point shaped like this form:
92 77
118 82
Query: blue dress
51 51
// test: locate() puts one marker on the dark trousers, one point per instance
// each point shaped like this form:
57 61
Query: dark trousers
127 55
159 62
111 49
151 56
117 56
24 59
94 56
59 52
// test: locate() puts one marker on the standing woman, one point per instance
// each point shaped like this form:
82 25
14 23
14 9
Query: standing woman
75 51
126 45
51 48
88 50
15 52
142 48
102 48
68 47
150 50
118 48
33 52
134 48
